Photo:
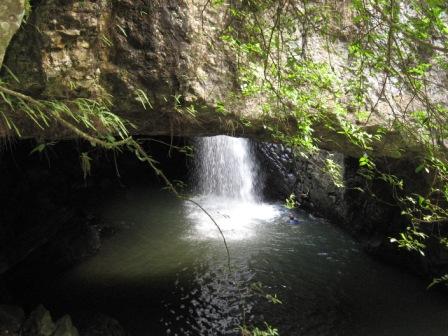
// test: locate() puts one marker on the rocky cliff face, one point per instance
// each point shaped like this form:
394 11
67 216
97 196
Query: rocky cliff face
172 52
116 50
365 209
11 15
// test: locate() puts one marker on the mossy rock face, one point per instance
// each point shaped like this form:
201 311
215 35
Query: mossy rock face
11 15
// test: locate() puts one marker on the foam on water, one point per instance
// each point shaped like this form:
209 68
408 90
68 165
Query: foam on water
238 220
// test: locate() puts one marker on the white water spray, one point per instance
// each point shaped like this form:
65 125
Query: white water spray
227 184
225 168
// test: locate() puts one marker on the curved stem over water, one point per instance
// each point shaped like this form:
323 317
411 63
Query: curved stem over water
216 224
130 142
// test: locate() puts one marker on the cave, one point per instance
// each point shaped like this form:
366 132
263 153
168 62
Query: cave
231 167
120 254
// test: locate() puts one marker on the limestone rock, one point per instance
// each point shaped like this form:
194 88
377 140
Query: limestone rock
11 15
112 49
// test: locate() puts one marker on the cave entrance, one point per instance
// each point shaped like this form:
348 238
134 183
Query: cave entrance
124 247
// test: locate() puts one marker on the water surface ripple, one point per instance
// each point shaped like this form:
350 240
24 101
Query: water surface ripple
165 273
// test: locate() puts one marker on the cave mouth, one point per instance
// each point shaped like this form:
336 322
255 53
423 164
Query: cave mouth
116 243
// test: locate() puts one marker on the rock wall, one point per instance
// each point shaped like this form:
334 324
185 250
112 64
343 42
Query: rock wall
304 177
370 216
11 14
171 51
111 50
81 48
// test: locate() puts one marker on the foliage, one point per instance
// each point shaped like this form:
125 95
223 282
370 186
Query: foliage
334 170
273 299
395 50
258 287
411 240
143 99
291 202
269 331
442 279
41 147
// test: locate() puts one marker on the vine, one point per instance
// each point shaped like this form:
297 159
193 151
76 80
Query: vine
395 50
88 114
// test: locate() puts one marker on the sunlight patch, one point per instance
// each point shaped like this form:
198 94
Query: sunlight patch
237 219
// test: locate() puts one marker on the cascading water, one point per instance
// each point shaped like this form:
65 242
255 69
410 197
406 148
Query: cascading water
226 184
226 169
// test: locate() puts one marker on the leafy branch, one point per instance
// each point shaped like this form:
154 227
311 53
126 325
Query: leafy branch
113 124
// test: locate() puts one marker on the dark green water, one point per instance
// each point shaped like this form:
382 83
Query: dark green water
165 273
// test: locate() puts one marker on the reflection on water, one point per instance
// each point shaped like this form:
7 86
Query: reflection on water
165 273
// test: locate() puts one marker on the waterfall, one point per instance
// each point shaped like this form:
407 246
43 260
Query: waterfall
225 168
227 185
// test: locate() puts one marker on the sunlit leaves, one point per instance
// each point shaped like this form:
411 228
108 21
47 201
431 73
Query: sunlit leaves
143 99
269 331
436 281
291 202
411 240
334 171
356 135
394 53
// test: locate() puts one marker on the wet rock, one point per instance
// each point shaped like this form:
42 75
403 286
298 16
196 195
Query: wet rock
64 327
39 323
11 319
368 216
305 177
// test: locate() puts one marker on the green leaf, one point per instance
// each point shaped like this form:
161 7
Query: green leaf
38 149
420 168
